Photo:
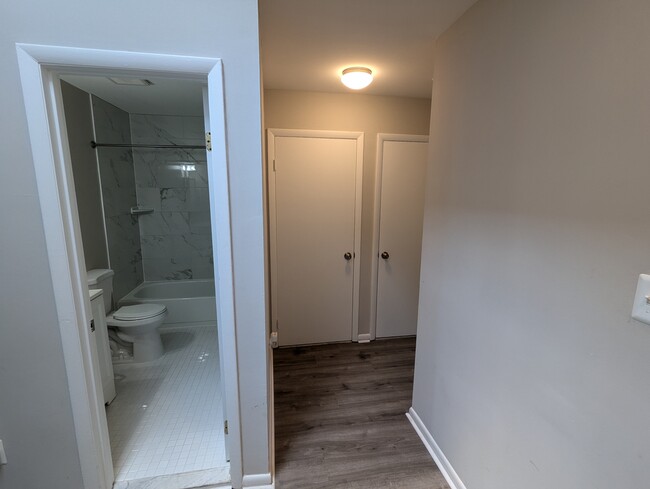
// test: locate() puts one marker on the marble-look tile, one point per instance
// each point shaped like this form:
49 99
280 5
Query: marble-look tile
162 129
200 223
176 241
198 200
124 250
119 195
118 201
116 167
187 245
111 123
167 269
193 127
169 168
127 278
202 267
173 199
185 199
156 246
149 197
164 223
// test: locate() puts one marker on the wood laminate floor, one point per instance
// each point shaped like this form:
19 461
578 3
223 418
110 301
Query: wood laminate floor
340 418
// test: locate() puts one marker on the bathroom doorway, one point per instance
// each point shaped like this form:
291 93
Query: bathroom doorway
193 397
139 161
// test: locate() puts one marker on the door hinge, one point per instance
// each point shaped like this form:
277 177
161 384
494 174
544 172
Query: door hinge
92 325
225 427
208 141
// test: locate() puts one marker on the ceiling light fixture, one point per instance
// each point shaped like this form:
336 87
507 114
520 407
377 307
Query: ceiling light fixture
356 77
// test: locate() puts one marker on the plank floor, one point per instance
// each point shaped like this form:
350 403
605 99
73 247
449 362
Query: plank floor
340 418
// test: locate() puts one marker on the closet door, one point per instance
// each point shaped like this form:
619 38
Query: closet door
401 176
314 195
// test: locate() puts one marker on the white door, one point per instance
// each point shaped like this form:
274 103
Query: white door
314 193
401 175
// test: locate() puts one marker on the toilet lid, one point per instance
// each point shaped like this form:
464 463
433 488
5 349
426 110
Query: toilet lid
138 311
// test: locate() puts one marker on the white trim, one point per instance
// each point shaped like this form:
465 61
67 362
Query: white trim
436 453
358 136
364 338
219 193
99 61
258 481
39 69
379 163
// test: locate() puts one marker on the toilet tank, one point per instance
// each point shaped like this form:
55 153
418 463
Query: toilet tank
102 278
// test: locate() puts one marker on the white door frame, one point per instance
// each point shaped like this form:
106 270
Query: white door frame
381 138
39 70
304 133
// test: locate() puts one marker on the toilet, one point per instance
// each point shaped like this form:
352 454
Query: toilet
137 324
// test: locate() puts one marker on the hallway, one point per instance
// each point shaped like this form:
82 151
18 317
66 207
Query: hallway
340 418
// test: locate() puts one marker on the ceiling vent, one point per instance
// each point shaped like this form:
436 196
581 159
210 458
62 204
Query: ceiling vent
139 82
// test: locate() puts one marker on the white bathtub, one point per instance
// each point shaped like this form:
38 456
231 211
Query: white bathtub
187 301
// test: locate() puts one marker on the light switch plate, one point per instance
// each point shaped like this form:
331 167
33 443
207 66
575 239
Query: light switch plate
641 307
3 456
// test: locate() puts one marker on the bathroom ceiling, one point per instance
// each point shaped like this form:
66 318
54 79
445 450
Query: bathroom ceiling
165 97
307 43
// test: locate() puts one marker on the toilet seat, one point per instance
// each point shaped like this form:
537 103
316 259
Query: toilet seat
138 317
139 312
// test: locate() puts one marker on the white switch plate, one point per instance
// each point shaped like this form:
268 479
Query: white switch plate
641 307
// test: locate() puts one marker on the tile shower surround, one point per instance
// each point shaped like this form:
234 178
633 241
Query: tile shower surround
119 195
176 238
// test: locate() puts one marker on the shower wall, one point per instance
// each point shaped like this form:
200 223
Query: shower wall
175 237
119 195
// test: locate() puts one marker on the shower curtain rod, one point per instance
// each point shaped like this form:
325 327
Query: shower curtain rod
93 144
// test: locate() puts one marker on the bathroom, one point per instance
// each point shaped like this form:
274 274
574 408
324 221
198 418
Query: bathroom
139 164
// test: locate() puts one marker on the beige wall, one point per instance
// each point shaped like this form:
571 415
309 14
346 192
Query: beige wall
530 372
351 112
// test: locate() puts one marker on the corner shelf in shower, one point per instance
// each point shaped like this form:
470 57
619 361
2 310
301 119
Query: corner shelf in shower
137 211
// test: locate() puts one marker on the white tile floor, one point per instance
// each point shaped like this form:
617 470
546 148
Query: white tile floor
167 417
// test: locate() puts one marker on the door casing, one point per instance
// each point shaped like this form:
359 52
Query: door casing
39 69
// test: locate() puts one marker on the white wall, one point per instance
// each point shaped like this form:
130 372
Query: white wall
529 371
35 413
371 114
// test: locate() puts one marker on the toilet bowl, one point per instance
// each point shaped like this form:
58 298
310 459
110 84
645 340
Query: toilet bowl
138 324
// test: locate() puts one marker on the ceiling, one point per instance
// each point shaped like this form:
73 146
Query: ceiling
165 97
305 46
307 43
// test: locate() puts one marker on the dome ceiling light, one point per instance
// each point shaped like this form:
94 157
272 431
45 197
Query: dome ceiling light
356 77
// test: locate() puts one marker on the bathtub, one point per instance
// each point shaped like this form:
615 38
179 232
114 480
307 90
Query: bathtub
187 301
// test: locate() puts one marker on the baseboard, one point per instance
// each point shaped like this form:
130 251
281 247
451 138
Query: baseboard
436 453
258 481
364 338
